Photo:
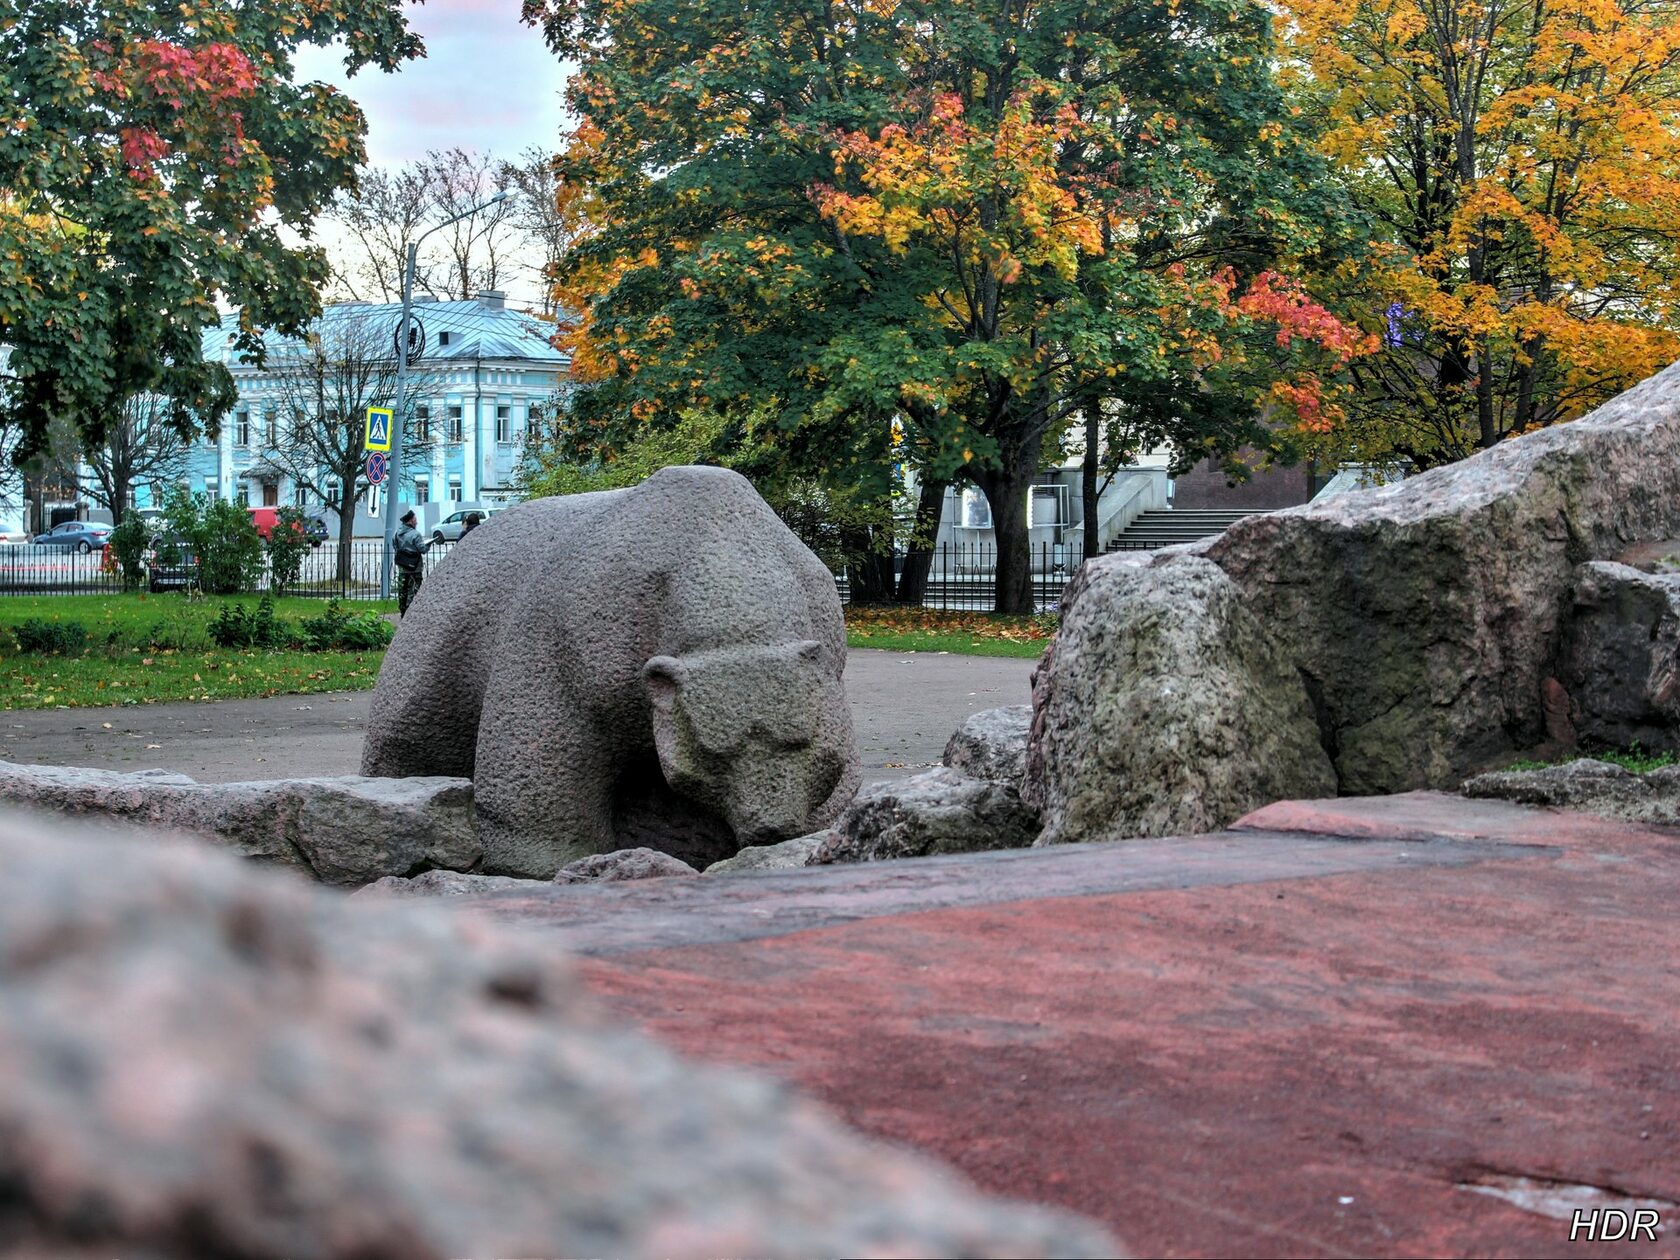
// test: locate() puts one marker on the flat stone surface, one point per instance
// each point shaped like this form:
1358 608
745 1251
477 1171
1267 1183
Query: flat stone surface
1412 1025
904 705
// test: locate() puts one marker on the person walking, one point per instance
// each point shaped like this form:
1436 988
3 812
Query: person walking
410 555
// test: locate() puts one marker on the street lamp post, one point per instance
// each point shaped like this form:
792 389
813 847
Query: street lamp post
398 406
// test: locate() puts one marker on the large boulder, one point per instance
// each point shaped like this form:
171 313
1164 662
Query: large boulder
1165 707
342 831
624 864
938 811
658 666
1425 616
1621 656
786 856
197 1058
992 744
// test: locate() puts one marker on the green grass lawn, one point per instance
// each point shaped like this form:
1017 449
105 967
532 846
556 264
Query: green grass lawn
143 649
963 633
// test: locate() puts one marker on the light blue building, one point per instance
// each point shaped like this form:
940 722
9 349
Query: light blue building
487 380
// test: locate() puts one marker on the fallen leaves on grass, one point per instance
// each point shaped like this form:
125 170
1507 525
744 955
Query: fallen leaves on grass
865 622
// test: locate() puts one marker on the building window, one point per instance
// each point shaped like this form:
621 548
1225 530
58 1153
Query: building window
212 487
976 512
533 424
504 423
302 496
244 494
271 425
443 338
334 491
454 489
455 422
422 490
1047 506
422 423
242 427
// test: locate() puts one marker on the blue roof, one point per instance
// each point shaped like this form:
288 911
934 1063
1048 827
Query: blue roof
475 332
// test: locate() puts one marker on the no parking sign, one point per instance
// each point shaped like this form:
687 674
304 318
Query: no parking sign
375 468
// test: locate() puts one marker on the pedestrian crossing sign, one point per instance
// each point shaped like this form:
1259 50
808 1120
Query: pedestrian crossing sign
378 429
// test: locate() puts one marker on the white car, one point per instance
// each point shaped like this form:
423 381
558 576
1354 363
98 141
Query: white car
451 527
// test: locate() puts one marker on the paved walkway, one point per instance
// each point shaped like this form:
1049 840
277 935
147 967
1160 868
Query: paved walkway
905 705
1405 1026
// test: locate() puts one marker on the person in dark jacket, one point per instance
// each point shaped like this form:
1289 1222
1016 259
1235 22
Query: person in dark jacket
410 558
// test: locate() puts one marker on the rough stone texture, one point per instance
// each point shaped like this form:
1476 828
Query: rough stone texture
1593 787
787 855
1165 708
938 811
656 666
342 831
613 868
992 744
443 884
1621 657
1426 614
201 1059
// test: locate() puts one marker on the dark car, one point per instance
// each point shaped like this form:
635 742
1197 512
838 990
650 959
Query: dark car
84 536
170 564
315 529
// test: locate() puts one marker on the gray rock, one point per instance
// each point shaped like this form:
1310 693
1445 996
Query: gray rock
204 1059
938 811
658 666
992 744
1590 786
342 831
1165 708
444 884
624 864
1426 615
1621 657
787 855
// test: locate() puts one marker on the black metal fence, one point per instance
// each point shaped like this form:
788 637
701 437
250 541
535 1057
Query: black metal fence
29 570
962 576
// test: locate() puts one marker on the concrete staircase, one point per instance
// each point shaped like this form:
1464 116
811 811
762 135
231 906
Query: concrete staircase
1164 528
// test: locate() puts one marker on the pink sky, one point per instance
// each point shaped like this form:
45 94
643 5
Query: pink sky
487 83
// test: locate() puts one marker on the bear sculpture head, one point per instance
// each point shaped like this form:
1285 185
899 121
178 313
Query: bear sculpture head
748 732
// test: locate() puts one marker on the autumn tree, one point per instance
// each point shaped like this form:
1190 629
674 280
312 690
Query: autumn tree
342 366
1522 160
966 225
138 445
151 156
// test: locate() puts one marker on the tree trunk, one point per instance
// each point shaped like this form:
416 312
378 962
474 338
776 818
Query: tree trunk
1006 491
119 497
346 536
1088 471
870 581
918 559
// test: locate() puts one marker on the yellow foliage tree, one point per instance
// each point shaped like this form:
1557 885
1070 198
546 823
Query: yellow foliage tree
1520 160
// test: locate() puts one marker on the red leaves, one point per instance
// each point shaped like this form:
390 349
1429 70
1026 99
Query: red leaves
141 146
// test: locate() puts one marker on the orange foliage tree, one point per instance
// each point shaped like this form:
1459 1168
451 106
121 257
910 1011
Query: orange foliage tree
1520 160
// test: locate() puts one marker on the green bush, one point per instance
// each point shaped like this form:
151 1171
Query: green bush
56 638
229 549
288 544
180 629
339 630
237 626
128 545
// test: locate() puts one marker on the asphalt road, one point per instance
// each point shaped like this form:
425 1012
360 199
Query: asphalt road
905 706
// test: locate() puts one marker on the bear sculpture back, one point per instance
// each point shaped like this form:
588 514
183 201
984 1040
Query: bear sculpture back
656 666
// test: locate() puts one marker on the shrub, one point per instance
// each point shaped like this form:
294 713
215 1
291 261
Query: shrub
229 549
128 547
58 638
288 544
338 629
237 626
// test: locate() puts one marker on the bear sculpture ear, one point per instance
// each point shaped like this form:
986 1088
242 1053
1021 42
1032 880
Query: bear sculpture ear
664 676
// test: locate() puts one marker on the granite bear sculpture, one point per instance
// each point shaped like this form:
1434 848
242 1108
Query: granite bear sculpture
656 666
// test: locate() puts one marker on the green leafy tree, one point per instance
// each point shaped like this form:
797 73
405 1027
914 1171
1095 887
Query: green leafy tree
935 235
287 545
221 536
153 156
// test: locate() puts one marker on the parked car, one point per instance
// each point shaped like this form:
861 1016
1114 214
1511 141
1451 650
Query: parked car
451 527
316 529
265 519
83 536
170 564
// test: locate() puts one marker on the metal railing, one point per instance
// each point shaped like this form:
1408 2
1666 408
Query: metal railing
963 576
26 569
